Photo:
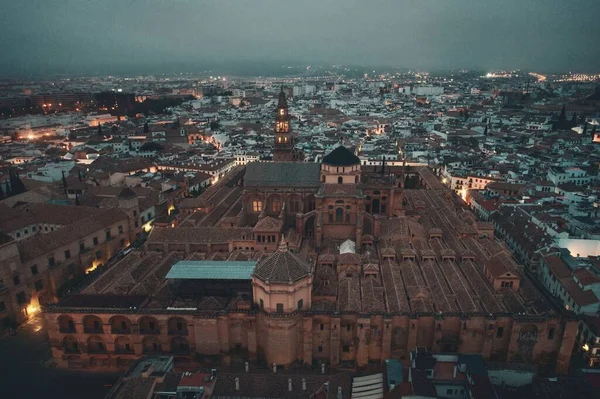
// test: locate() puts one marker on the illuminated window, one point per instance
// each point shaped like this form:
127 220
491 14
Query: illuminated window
256 206
281 111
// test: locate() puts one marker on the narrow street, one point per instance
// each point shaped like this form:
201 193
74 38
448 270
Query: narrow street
27 370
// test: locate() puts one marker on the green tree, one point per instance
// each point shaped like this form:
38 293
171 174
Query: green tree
64 182
151 146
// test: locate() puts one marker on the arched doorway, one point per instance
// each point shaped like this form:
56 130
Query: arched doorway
71 345
149 325
527 340
123 345
66 324
177 326
120 325
95 344
151 345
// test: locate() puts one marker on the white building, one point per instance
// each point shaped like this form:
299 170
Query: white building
574 175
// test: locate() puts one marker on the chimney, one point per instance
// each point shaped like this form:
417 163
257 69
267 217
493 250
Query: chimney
454 372
237 383
274 367
290 384
247 367
323 368
304 384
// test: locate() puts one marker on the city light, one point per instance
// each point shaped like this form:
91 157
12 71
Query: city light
32 309
93 267
585 347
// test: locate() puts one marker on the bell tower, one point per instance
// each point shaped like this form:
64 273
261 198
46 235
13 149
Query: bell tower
284 140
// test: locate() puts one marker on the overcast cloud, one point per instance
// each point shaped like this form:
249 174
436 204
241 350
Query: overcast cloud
82 35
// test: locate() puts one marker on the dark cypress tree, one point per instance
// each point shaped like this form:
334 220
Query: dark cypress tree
146 128
593 132
64 182
383 165
79 175
485 132
574 119
563 114
585 130
16 184
77 203
100 130
7 188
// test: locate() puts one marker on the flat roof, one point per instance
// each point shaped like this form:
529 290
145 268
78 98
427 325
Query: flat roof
212 270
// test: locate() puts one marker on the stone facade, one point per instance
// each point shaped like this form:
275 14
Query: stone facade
352 340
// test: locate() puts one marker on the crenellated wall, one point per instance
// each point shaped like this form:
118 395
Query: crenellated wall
349 340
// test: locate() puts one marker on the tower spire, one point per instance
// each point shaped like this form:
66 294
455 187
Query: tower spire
282 244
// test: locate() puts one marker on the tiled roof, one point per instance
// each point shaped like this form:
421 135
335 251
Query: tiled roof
291 174
340 190
557 266
198 235
341 156
268 223
126 193
45 243
585 277
282 266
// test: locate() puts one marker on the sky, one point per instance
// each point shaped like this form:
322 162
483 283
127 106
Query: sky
108 36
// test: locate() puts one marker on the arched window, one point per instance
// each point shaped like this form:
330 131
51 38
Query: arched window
340 180
339 215
256 206
300 304
276 205
356 179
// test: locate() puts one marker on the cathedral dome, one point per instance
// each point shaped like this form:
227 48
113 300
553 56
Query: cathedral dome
341 156
282 267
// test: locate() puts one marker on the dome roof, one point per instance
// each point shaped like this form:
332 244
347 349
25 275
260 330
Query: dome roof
341 156
282 267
